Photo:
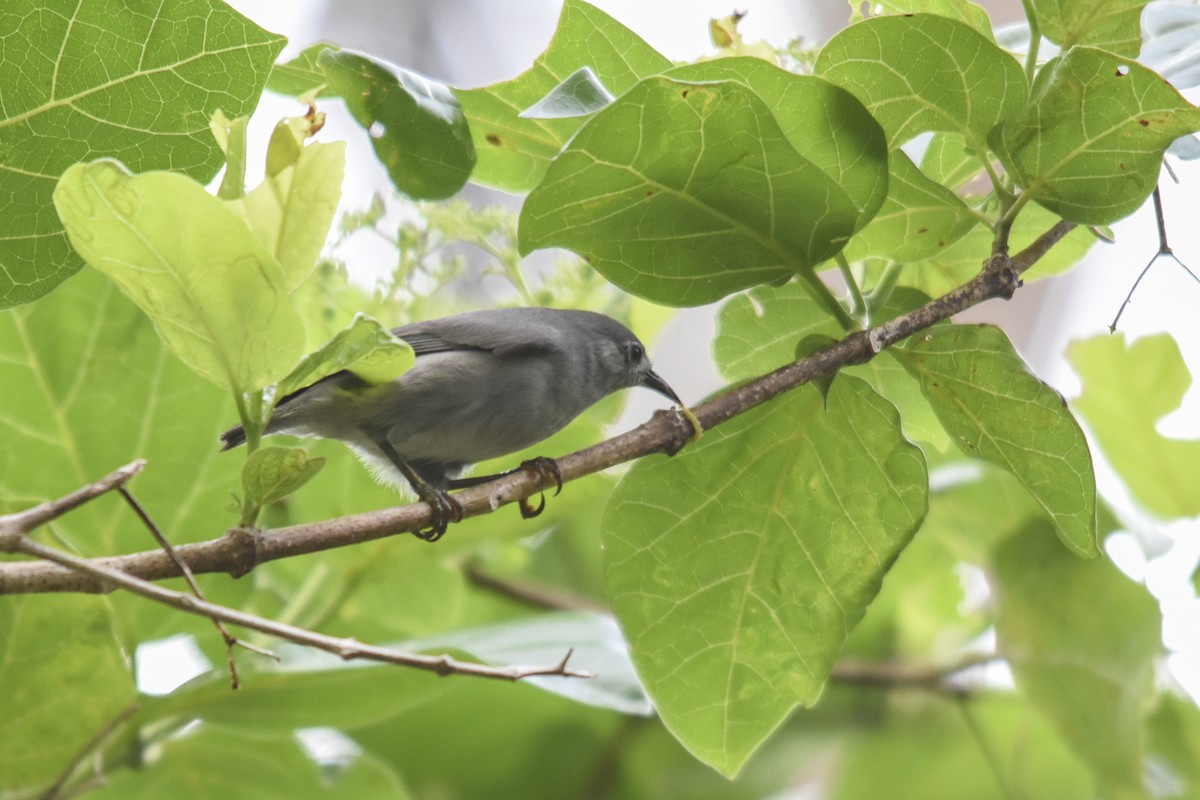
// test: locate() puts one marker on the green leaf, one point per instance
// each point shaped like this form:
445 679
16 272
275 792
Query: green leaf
55 653
1173 731
416 125
306 689
925 73
962 10
291 210
301 75
738 567
580 94
272 473
1092 681
683 193
1089 144
366 348
212 761
963 260
231 138
947 160
824 123
994 408
129 81
514 152
1113 25
1127 389
215 294
919 219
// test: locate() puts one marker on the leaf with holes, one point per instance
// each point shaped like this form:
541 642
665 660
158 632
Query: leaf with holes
1113 25
515 151
738 567
1089 145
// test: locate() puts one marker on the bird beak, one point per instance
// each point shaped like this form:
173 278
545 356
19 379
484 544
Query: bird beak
651 380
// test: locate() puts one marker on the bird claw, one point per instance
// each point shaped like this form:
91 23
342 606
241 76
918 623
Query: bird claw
545 468
446 509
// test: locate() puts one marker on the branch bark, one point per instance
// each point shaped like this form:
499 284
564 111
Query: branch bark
239 550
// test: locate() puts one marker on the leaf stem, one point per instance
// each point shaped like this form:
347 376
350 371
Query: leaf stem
858 306
1035 39
822 295
882 289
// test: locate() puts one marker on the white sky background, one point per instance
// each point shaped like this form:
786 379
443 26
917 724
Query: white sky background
1043 318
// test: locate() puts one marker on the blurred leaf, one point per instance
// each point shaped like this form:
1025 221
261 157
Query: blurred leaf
962 10
366 348
580 94
593 640
923 72
133 82
291 210
302 74
1172 44
693 207
309 688
232 764
1127 389
231 138
1113 25
919 219
1092 681
416 125
514 152
1089 144
738 567
272 473
56 653
963 260
214 293
824 123
1173 739
994 408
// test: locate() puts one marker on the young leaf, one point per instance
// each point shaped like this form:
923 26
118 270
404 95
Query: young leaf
1113 25
1127 389
272 473
130 81
514 151
416 125
291 210
365 347
996 409
301 75
948 161
1082 640
738 567
580 94
215 294
1089 144
709 197
919 219
925 73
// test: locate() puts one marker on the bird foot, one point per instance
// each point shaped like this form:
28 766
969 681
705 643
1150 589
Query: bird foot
446 509
546 468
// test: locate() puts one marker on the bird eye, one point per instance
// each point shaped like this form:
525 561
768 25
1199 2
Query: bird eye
636 353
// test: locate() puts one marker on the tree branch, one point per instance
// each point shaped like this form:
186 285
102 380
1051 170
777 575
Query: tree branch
240 550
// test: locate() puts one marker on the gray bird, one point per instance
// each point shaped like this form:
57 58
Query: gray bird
485 384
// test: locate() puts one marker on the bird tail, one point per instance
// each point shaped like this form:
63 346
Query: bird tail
233 437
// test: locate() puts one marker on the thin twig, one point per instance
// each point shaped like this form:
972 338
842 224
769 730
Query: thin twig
891 675
54 791
1164 251
342 647
240 550
25 521
230 640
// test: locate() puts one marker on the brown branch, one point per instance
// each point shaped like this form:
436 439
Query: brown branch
240 550
22 522
344 648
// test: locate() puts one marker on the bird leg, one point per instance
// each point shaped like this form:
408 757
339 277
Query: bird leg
545 468
445 508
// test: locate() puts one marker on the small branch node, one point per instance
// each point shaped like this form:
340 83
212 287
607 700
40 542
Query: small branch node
242 546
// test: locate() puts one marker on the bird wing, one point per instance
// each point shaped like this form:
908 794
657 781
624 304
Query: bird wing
494 331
